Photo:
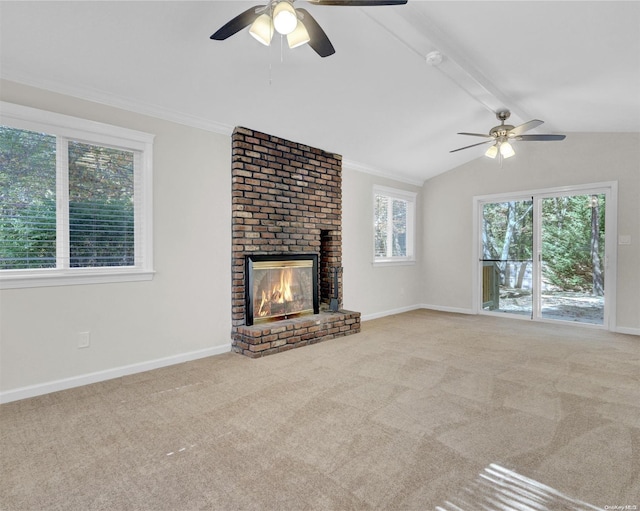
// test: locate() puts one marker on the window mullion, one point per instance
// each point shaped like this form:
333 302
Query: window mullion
62 203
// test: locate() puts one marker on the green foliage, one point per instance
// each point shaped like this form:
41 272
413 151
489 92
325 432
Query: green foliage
508 230
27 167
101 211
567 240
99 172
380 225
399 213
27 199
101 233
390 214
28 236
572 239
101 208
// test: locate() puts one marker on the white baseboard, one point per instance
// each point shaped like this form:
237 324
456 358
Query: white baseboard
376 315
620 330
627 330
391 312
108 374
442 308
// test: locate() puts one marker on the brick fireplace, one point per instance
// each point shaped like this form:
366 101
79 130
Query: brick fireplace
286 200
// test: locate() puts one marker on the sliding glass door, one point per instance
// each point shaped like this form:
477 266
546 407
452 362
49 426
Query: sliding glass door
544 256
572 257
507 256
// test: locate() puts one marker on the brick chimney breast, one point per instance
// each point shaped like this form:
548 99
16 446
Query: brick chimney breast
286 198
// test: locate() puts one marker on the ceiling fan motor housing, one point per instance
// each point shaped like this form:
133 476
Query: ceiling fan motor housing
503 115
501 132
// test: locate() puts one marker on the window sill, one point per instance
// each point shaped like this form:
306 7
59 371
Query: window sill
45 278
391 262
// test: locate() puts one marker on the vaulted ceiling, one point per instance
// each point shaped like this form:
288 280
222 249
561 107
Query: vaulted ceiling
377 101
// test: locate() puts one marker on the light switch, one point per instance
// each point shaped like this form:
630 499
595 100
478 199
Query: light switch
624 239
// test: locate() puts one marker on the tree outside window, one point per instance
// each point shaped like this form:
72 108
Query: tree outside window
394 220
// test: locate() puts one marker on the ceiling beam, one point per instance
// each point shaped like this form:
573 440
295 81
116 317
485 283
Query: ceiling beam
421 35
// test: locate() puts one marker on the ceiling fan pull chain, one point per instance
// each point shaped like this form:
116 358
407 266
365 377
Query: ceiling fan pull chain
281 48
270 64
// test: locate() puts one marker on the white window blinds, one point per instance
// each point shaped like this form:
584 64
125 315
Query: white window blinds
75 200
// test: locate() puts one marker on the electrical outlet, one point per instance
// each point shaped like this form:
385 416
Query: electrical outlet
84 339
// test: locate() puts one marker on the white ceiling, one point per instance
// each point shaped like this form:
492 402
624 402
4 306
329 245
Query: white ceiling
575 65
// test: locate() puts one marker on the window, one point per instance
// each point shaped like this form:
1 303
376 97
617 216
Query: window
75 200
394 221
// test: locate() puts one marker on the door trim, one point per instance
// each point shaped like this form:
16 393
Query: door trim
610 188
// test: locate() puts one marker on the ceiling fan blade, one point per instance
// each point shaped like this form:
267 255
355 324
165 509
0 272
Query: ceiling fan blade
358 3
236 24
541 138
475 135
525 127
318 39
472 145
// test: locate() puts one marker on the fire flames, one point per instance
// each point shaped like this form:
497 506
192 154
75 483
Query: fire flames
279 293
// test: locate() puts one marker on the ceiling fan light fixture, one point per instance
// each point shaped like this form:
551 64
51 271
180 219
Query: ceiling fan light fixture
299 36
506 150
284 17
262 29
492 152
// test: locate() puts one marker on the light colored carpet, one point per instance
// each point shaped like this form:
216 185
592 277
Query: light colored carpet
423 410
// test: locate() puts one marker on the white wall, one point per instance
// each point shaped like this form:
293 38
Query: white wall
374 290
580 159
184 312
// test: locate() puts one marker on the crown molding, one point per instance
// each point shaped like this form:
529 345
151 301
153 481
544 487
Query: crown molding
112 100
367 169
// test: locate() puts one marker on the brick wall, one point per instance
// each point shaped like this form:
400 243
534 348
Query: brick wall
286 198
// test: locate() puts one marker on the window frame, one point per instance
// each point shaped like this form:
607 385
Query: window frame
410 199
65 128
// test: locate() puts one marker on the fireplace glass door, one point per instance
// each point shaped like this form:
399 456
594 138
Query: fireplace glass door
280 288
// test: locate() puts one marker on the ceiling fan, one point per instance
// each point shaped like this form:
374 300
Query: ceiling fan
501 136
297 24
